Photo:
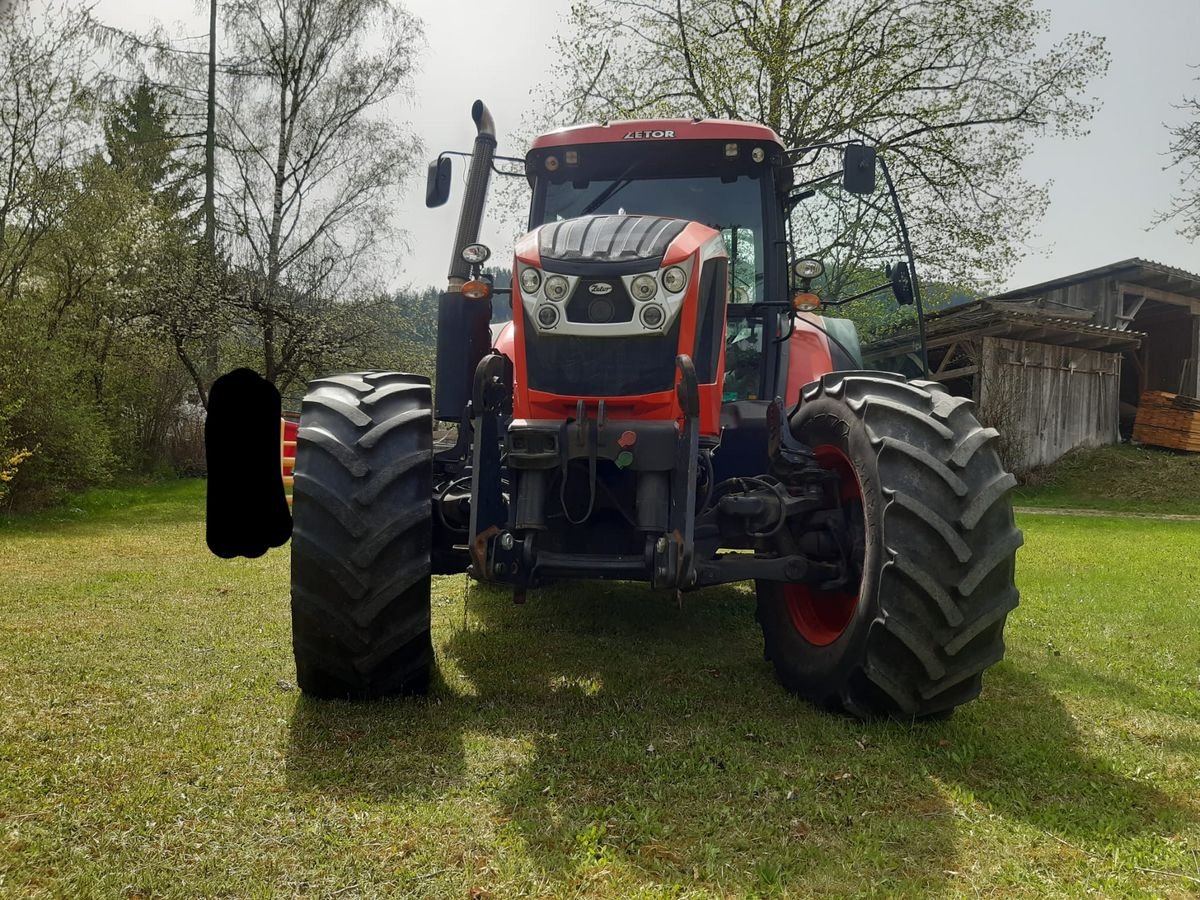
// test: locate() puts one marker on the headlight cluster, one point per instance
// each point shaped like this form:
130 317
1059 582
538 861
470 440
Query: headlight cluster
654 294
543 292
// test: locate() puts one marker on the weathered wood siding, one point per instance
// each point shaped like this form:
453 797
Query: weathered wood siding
1046 400
1098 295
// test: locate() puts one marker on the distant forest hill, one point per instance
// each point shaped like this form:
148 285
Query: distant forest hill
418 310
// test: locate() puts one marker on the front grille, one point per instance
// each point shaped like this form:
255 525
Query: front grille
599 308
608 366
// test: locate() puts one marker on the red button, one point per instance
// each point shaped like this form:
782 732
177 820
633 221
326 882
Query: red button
627 440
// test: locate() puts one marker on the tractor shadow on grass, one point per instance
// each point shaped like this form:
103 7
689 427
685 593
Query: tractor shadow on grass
606 728
409 746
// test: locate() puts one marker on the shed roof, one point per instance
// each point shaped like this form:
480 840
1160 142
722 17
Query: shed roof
1144 272
1019 321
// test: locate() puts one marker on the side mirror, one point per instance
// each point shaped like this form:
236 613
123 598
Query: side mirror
437 183
858 169
902 286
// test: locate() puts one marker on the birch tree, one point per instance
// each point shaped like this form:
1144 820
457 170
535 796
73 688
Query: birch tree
311 165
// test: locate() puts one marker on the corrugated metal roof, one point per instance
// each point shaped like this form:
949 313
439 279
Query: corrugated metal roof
1004 319
1135 271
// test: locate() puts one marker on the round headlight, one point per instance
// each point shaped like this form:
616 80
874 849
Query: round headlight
652 316
476 254
644 287
557 287
674 279
531 280
809 268
547 316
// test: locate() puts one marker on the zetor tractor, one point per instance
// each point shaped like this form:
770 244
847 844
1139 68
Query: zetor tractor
666 406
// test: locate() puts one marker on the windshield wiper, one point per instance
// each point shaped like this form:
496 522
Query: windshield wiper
622 181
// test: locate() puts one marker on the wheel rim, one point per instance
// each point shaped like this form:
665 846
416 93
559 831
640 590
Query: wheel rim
821 617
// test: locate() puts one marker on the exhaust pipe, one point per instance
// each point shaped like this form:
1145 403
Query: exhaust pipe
463 335
478 176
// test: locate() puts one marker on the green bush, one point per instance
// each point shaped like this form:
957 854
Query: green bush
49 413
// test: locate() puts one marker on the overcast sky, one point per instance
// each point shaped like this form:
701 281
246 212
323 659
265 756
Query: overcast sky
1106 186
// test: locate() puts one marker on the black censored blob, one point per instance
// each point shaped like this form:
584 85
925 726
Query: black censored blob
247 509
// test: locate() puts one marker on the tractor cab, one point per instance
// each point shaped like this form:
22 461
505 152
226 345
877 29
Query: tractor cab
729 176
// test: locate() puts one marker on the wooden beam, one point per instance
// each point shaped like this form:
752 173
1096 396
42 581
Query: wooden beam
945 359
1160 296
964 372
1126 313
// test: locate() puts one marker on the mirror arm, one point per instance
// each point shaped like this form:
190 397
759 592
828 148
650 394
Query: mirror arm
822 146
832 176
912 263
509 159
795 200
867 293
495 159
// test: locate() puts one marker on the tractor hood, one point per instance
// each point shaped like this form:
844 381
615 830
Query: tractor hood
568 245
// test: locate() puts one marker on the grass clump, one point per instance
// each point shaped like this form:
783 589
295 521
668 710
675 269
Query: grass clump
1122 477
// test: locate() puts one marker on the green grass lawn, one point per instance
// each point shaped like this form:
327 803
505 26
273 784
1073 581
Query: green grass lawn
1121 478
599 741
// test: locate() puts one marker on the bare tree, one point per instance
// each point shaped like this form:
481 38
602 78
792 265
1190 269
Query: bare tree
951 90
44 120
1185 156
310 167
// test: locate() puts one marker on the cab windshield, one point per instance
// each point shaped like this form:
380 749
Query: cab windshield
731 204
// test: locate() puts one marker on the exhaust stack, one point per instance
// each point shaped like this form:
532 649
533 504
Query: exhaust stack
463 336
478 176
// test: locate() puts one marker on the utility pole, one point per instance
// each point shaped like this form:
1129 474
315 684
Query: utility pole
210 137
207 267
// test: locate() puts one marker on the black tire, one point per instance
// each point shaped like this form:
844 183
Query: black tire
938 552
362 535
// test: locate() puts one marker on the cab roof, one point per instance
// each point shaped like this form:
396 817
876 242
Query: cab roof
657 130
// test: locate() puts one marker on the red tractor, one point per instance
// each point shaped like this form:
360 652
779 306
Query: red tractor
666 406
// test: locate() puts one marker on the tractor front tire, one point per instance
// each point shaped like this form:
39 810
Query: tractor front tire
927 500
361 537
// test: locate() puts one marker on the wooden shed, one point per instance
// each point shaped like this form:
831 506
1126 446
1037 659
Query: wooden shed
1049 383
1161 301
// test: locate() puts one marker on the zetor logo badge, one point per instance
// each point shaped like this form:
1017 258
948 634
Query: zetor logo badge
643 135
600 288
